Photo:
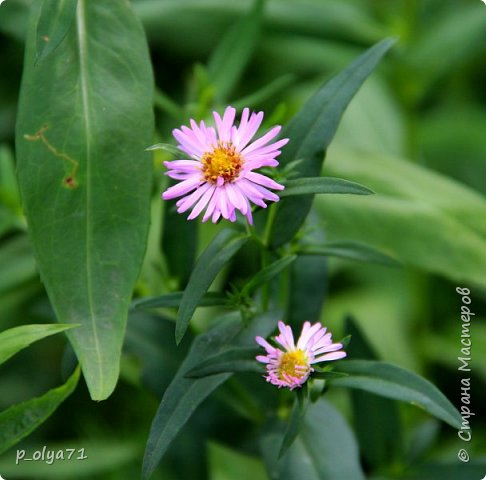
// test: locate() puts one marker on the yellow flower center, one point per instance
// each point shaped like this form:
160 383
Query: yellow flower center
223 161
294 364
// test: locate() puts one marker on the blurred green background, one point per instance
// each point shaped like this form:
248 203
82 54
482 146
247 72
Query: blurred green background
415 133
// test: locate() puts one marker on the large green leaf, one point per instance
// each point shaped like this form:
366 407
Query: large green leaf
311 131
208 265
15 339
324 450
421 218
394 382
85 117
55 19
18 421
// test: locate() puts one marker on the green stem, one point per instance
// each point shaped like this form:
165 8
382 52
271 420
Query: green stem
272 212
266 255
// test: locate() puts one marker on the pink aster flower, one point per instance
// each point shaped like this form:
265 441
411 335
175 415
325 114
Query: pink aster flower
219 176
292 366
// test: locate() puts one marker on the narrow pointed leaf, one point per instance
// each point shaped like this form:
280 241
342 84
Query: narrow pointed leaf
351 250
295 421
209 299
420 216
84 120
312 130
267 274
15 339
324 450
265 93
166 147
228 361
20 420
179 250
230 58
394 382
208 265
185 394
313 185
377 419
55 19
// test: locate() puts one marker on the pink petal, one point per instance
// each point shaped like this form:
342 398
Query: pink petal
187 202
329 356
250 129
263 180
224 125
181 188
203 201
262 140
184 165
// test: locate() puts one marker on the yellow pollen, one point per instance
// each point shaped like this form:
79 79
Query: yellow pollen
223 161
294 364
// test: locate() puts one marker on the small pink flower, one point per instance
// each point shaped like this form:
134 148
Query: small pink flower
291 368
220 177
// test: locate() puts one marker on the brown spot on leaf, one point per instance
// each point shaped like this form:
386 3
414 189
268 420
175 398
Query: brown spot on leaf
70 182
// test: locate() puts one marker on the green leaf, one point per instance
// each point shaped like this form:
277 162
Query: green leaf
311 131
324 450
458 31
418 216
208 265
265 93
56 17
17 263
312 185
15 339
328 375
184 395
231 56
295 420
266 274
228 361
20 420
179 250
166 147
308 289
351 250
228 464
209 299
9 190
308 281
85 117
376 419
394 382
